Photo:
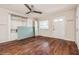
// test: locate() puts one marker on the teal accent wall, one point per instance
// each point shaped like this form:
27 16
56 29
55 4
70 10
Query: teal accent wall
25 32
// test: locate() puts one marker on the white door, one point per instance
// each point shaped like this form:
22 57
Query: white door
59 28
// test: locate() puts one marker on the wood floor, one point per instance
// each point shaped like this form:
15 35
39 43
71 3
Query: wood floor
39 46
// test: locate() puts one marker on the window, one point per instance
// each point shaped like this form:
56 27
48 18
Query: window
43 24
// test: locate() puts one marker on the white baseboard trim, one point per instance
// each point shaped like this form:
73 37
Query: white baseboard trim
59 38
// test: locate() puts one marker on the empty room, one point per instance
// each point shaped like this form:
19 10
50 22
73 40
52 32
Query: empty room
39 29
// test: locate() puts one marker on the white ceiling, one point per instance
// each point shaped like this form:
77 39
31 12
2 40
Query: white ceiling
20 8
48 8
45 8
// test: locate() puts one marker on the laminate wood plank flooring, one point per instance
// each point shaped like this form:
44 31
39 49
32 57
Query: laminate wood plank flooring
39 45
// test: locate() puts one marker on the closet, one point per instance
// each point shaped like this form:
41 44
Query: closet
20 28
16 23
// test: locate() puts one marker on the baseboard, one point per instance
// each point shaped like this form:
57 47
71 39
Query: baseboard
57 38
36 36
15 40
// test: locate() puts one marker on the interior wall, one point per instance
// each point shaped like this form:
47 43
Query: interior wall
69 26
69 31
77 25
5 24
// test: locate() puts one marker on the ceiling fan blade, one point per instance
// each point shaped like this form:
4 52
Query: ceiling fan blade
28 6
28 12
38 12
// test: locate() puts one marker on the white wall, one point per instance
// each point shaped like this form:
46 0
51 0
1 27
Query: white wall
69 33
77 26
69 17
5 24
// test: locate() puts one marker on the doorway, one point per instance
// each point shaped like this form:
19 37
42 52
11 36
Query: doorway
59 28
36 27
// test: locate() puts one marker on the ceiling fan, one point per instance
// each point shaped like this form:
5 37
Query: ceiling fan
31 9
